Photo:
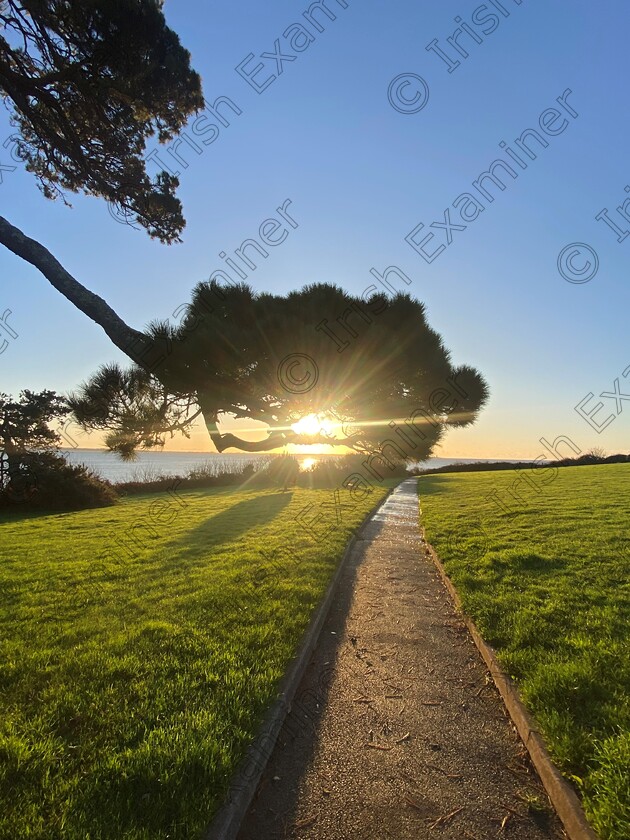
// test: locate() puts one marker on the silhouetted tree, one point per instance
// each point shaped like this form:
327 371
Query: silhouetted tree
89 83
24 429
384 376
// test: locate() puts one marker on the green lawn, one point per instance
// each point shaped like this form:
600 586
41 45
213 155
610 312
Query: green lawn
131 680
548 585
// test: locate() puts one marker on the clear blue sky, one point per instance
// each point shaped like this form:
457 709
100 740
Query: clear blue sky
361 176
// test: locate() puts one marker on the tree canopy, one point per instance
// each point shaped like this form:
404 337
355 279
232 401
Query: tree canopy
369 370
32 472
24 422
88 83
24 430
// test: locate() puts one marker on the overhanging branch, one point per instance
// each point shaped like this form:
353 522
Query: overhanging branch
132 342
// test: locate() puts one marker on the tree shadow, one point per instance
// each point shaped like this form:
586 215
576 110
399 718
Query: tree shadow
230 524
431 485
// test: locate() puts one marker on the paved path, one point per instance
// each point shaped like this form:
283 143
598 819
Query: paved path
396 730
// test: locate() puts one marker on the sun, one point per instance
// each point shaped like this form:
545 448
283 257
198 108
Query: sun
313 424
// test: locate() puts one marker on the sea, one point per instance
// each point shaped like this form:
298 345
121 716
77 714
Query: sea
155 464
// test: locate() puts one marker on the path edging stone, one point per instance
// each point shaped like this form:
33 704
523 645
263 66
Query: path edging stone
562 796
229 818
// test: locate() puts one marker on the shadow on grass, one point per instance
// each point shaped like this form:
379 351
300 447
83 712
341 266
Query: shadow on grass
230 524
431 485
19 513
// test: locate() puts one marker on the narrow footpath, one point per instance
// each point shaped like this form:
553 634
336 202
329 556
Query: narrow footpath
397 730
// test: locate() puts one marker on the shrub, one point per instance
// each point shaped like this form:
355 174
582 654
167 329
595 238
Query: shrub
196 478
46 481
283 471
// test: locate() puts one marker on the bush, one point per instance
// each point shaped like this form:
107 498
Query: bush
283 471
334 471
196 478
46 481
329 472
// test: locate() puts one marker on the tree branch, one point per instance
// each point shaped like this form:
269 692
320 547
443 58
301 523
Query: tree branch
132 342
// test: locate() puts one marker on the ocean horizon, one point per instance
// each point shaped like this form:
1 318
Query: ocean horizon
151 465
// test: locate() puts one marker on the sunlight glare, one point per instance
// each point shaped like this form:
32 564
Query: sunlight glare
313 424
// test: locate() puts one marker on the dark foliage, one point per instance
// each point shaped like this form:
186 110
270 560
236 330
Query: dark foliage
282 472
477 466
192 481
334 472
46 481
229 356
31 473
24 429
482 466
89 83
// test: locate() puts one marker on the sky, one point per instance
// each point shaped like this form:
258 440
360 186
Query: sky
367 138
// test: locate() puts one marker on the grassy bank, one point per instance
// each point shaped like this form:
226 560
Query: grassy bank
547 583
140 646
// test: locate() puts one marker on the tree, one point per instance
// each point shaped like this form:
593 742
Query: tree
384 376
32 472
88 83
24 429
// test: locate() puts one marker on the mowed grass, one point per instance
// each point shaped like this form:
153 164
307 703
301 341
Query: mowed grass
548 586
132 681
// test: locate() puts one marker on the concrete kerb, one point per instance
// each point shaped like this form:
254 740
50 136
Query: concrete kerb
562 796
229 818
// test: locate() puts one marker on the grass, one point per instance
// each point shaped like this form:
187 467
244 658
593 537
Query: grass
140 646
547 584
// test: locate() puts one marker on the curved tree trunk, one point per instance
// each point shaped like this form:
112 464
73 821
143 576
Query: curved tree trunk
227 440
137 346
274 440
133 343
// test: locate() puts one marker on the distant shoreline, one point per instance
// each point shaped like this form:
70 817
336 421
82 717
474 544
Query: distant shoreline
205 453
153 464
